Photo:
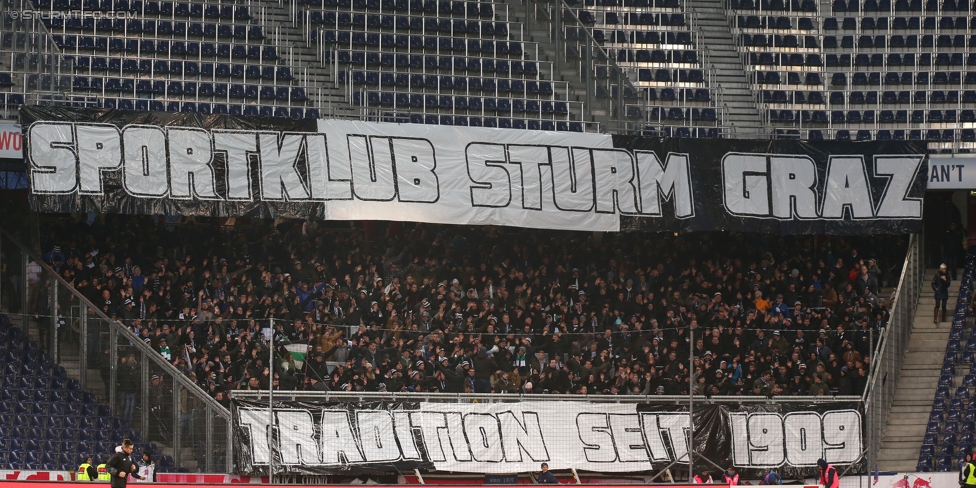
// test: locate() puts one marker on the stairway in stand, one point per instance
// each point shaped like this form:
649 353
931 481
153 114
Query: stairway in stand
917 383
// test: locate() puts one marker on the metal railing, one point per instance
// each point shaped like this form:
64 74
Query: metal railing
349 396
156 401
890 349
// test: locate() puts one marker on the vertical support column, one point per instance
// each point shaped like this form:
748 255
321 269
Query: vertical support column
209 451
144 397
55 323
83 347
1 270
271 419
691 401
590 79
177 425
557 24
872 415
113 357
621 109
25 304
230 443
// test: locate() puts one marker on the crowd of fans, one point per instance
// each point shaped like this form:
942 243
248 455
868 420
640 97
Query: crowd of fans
482 309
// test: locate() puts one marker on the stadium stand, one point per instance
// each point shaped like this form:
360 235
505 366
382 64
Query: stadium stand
47 422
952 422
554 310
860 70
656 41
447 63
810 69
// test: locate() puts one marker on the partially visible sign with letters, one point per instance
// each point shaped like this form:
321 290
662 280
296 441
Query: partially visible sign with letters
952 173
11 141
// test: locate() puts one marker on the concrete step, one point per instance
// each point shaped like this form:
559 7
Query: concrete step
911 407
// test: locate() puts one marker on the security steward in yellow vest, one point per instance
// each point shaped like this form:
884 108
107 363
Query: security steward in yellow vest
86 472
967 475
103 474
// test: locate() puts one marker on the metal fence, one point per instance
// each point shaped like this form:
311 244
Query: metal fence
886 365
156 401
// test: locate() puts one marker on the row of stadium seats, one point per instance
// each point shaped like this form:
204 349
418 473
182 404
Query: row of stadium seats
426 44
814 60
199 107
868 97
149 48
459 8
106 27
447 102
903 5
471 84
891 135
404 117
179 9
406 23
896 23
429 63
868 116
895 41
774 5
189 88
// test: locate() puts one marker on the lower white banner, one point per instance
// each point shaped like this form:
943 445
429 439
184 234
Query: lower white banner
517 437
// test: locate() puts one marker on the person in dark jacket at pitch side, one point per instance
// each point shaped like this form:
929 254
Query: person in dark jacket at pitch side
121 465
546 477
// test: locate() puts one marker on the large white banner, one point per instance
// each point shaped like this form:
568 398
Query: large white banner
474 175
357 170
500 438
11 141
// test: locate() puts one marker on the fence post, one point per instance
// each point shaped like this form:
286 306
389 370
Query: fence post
1 271
53 336
590 79
230 445
25 304
177 423
144 400
83 346
113 358
209 453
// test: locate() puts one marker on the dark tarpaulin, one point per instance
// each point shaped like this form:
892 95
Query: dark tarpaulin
116 200
707 176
